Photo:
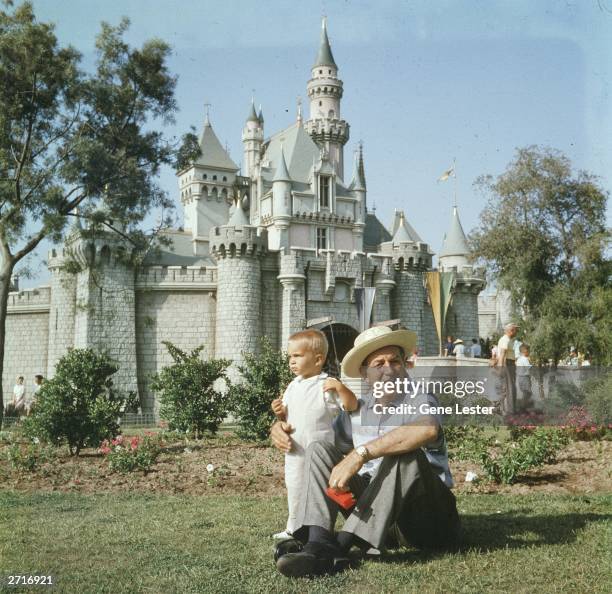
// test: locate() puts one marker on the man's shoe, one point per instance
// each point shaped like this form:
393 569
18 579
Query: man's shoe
314 559
284 547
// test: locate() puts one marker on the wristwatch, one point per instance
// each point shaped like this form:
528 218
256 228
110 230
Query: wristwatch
362 451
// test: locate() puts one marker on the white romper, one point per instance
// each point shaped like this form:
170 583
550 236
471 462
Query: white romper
311 418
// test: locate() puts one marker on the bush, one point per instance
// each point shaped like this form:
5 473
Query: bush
126 455
78 405
534 449
466 442
598 400
188 399
28 456
265 377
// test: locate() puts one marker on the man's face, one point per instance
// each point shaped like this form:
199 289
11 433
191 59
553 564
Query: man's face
384 365
512 331
303 361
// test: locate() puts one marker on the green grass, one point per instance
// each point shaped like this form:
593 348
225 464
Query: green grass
140 543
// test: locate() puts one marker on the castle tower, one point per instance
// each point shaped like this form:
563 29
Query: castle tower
105 317
207 189
252 140
411 257
238 248
462 316
358 188
324 89
63 304
281 197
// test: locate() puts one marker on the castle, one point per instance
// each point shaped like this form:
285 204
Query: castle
283 243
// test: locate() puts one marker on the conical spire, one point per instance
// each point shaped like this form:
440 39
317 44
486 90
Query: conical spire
260 116
325 56
252 113
402 234
238 218
455 242
281 173
358 183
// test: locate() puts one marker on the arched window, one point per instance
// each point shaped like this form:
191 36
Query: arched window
214 178
205 176
225 178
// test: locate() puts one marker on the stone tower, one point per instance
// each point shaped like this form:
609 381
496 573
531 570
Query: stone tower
62 308
462 316
238 248
324 89
105 303
411 257
252 140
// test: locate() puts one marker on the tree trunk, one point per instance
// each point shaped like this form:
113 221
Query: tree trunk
5 287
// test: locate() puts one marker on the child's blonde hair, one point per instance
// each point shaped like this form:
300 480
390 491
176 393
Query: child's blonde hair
313 340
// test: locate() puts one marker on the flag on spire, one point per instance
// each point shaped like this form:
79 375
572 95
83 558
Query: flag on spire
448 173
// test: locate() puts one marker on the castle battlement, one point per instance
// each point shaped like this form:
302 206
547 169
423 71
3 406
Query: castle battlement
328 129
30 300
408 255
176 277
230 241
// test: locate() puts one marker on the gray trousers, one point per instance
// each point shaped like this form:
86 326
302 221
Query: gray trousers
405 496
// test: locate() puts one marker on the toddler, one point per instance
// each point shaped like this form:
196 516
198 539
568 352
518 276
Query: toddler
309 405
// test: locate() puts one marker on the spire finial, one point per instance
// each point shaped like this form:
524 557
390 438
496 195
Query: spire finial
207 107
299 109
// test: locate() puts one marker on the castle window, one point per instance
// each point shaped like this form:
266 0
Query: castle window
224 178
324 186
329 71
321 238
320 71
320 103
214 178
205 176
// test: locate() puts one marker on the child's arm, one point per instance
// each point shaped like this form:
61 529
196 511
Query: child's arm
348 399
279 409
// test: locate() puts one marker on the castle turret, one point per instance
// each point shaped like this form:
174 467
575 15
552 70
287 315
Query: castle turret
325 90
252 140
104 318
462 316
281 196
238 248
207 189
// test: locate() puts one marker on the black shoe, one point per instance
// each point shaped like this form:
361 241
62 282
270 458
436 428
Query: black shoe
315 559
284 547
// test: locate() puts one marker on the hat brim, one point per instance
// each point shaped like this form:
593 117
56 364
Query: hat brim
353 360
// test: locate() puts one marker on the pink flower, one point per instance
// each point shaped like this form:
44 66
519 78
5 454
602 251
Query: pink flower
134 442
105 450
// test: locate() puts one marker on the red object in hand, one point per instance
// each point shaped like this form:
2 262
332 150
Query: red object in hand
344 499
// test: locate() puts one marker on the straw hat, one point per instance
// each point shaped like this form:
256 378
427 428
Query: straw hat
458 341
371 340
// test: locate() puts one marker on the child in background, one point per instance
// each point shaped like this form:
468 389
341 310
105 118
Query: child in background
309 405
523 376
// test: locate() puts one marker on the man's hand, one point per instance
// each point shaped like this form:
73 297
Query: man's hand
279 434
344 471
331 383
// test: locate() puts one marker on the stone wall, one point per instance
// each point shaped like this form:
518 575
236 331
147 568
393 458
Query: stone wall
184 318
462 317
26 340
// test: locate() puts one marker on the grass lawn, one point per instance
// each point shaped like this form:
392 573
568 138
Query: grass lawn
165 543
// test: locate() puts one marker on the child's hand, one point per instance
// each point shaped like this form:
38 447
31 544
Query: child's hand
277 407
331 383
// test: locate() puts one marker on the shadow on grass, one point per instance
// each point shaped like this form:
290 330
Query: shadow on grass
514 530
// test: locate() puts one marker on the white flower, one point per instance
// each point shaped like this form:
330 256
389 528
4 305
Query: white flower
36 440
117 448
470 477
210 467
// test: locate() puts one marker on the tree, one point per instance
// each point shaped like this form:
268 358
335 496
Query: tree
544 237
78 405
265 376
73 143
189 400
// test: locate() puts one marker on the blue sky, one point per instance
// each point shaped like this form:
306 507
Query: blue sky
424 82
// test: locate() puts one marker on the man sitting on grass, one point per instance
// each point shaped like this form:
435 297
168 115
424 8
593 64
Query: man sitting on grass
398 470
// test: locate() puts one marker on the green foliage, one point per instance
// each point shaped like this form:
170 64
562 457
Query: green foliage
29 456
543 234
188 397
126 455
598 399
265 377
466 442
188 152
78 405
532 450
